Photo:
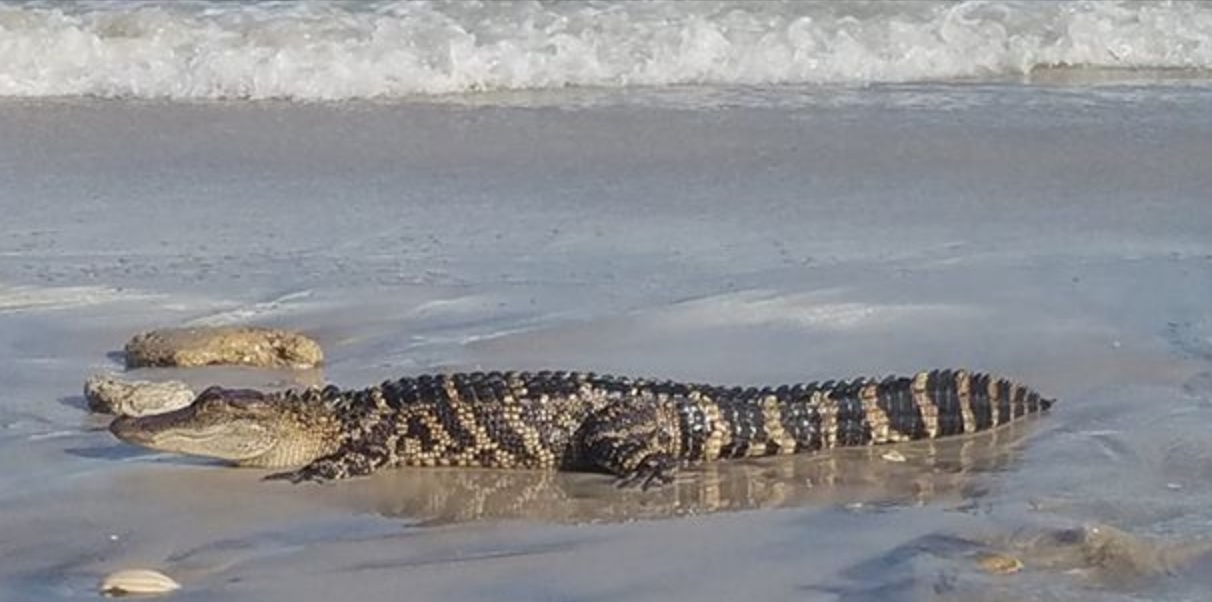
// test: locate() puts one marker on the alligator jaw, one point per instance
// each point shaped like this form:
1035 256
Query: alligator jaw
245 427
238 441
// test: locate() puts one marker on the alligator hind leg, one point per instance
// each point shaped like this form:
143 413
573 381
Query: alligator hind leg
634 441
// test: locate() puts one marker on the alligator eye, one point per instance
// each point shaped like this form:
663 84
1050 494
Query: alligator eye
213 392
247 404
245 399
217 399
210 404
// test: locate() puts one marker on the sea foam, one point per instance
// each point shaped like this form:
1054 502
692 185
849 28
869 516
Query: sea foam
340 50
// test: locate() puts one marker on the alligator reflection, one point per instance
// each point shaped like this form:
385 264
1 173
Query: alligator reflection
907 474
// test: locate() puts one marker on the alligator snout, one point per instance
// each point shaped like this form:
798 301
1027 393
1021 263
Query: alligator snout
127 429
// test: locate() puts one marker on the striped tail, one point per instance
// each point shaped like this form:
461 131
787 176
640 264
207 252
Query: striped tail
927 405
812 417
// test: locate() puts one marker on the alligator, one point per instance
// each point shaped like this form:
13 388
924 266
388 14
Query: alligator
641 431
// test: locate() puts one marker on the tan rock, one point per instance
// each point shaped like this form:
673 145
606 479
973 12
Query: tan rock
109 394
999 564
229 345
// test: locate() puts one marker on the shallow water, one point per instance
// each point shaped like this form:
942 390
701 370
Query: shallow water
1056 235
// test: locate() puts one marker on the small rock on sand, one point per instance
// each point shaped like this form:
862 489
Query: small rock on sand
138 582
109 394
226 345
999 564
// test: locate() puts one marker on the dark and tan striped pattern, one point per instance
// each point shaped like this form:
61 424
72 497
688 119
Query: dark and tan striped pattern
643 430
639 430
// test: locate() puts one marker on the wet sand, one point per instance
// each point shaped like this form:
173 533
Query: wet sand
1057 236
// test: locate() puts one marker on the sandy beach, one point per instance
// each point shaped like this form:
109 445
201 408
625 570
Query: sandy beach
1066 248
1053 230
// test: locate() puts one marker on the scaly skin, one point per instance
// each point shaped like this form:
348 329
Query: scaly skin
638 430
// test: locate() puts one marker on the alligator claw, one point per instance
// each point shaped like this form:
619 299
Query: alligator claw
294 476
655 470
311 472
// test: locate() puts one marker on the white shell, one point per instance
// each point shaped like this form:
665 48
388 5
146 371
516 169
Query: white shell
894 456
138 582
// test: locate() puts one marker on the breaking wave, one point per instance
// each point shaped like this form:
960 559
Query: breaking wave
339 50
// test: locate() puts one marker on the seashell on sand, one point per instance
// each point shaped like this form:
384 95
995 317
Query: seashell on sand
137 582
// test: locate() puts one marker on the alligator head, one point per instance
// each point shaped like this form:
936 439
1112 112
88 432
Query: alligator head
245 427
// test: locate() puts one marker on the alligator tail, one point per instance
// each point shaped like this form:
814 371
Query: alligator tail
938 403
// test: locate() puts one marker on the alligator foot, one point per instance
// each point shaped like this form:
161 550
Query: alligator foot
295 476
655 470
317 472
342 464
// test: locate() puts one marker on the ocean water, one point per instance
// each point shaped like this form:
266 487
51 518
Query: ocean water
224 49
736 192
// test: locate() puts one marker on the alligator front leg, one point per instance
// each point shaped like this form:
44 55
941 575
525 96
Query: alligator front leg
635 441
343 464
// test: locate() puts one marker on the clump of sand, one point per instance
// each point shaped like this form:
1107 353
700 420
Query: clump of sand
110 394
235 345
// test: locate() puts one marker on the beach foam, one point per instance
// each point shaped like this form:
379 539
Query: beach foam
26 298
320 51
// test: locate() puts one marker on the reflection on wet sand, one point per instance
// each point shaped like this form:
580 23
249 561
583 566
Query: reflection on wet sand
905 474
